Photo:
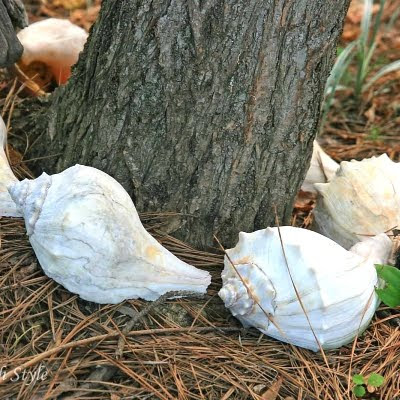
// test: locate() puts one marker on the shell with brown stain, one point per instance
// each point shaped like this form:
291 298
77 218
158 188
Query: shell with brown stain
336 286
88 237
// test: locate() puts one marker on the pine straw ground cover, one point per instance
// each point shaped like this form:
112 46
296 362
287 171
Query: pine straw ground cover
188 348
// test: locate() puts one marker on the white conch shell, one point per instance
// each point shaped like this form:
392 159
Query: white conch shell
362 200
54 42
87 236
336 286
7 205
322 169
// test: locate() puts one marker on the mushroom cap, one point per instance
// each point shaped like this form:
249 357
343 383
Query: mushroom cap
54 42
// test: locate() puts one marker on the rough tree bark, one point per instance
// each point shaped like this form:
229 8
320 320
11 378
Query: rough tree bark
12 14
202 107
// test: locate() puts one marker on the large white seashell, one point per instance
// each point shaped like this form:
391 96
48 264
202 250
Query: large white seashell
363 199
87 236
322 169
7 205
336 286
54 42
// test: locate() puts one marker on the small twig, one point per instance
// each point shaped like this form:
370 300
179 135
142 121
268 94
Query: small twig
101 374
34 159
146 310
295 288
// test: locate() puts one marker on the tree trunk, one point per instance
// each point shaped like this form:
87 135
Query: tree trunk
202 107
12 14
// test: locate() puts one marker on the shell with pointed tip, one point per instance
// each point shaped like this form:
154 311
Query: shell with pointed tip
7 205
54 42
362 200
336 286
322 169
87 236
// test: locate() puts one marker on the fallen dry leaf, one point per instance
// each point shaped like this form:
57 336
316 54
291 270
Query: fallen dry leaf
70 4
273 391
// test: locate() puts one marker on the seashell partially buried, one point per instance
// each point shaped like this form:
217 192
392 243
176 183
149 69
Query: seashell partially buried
336 286
362 200
322 169
7 205
87 236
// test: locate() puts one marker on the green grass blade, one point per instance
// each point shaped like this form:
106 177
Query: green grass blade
394 66
367 61
378 21
339 68
366 24
392 20
362 48
332 83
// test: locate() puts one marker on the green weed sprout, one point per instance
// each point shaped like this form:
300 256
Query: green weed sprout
361 383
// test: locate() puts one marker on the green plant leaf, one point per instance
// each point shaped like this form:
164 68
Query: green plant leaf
376 380
393 19
367 60
390 296
374 133
338 70
340 66
359 391
389 274
394 66
378 20
358 379
365 24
